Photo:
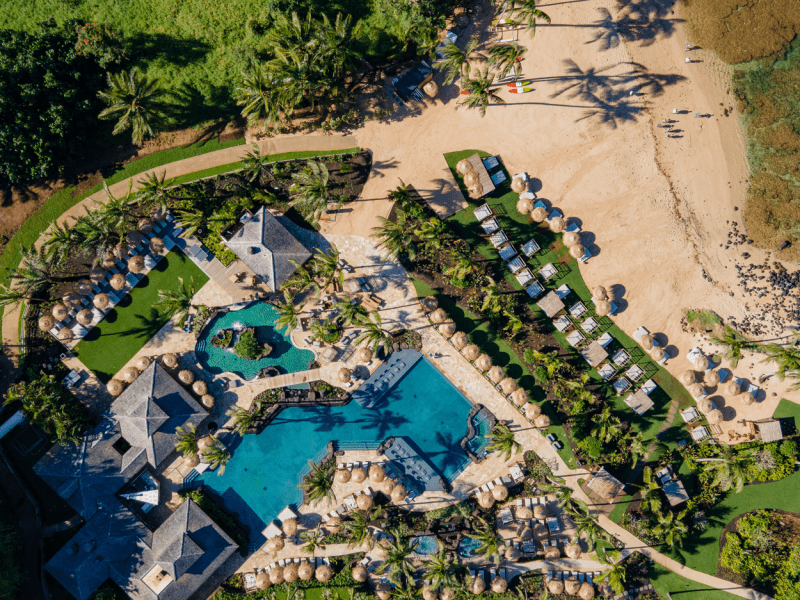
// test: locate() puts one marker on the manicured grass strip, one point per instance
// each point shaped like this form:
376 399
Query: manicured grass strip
667 582
234 166
787 409
134 321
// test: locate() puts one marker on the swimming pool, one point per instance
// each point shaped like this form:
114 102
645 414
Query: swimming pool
467 546
425 545
482 426
285 356
423 408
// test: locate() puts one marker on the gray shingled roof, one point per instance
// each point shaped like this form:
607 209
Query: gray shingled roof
267 247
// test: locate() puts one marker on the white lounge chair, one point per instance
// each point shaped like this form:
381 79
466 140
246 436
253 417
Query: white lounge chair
530 248
649 386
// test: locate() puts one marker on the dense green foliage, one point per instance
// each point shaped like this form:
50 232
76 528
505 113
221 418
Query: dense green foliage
225 521
248 346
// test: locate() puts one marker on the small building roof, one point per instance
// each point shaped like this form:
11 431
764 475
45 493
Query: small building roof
770 431
690 414
594 353
551 304
605 484
675 492
639 402
415 78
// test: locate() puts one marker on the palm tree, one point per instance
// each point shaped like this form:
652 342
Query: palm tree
733 342
440 570
349 313
287 313
9 296
216 455
636 447
506 58
396 562
301 280
187 440
730 469
320 330
34 272
93 235
116 212
502 439
489 542
461 268
454 60
431 232
527 11
261 96
176 302
244 419
191 221
569 503
513 325
153 190
587 525
374 334
136 102
493 300
671 528
318 484
60 243
326 266
340 44
651 494
312 541
358 525
402 197
552 364
253 163
480 92
310 193
606 425
617 575
395 236
787 357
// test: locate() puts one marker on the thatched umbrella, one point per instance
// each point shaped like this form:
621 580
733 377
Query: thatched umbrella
571 238
72 300
605 589
344 375
732 388
359 475
115 387
323 573
471 179
658 354
343 476
207 400
747 398
200 388
438 316
59 312
136 264
156 245
700 362
359 572
513 554
500 493
109 262
573 551
65 334
275 544
399 493
687 377
599 293
539 512
377 473
447 594
383 591
587 591
524 513
542 421
118 281
647 341
460 340
714 417
121 250
364 354
711 378
476 191
186 377
478 585
263 581
429 304
101 301
334 524
557 224
290 574
143 362
135 238
571 586
496 374
276 572
84 317
448 328
577 251
46 322
552 553
508 386
705 405
145 225
486 501
382 549
471 352
518 185
158 213
524 206
170 360
524 532
306 571
555 587
429 594
539 214
431 89
696 390
130 374
603 308
192 461
206 442
483 362
84 287
464 166
499 585
519 397
532 410
364 502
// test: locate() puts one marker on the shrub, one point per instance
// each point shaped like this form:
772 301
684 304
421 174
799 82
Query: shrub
789 449
592 446
248 346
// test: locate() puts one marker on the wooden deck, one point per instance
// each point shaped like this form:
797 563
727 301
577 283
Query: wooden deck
483 174
288 379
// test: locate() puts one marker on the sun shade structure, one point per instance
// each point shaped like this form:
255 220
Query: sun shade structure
156 245
598 293
382 591
359 475
101 301
499 585
524 206
129 374
571 586
647 341
262 581
276 545
115 387
109 262
464 166
135 238
158 213
732 388
500 493
483 362
603 308
486 500
145 225
696 390
519 397
476 191
460 340
142 363
59 312
377 473
170 360
429 304
136 264
523 513
399 493
334 524
518 185
343 476
364 502
290 574
84 287
121 250
705 405
364 354
711 378
448 328
658 354
323 573
539 214
513 554
714 417
496 374
438 316
118 281
577 251
687 378
570 239
72 300
471 352
508 386
46 322
700 362
542 421
359 572
478 585
552 553
207 401
186 377
557 224
429 594
532 411
306 571
471 178
276 572
200 388
587 591
573 551
344 375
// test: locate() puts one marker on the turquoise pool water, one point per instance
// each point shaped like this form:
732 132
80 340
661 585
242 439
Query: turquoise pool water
482 428
285 356
467 546
425 544
423 408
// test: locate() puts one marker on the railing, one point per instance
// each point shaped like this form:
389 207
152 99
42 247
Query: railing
353 445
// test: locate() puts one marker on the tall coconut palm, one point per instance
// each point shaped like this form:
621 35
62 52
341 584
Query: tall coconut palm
506 57
587 525
671 528
455 61
216 455
514 324
153 190
486 536
786 357
374 333
396 562
93 235
116 212
528 13
260 93
191 221
651 493
287 313
552 364
176 302
318 484
733 342
301 280
310 192
35 271
136 102
569 503
636 447
253 163
492 299
481 94
431 232
606 426
10 296
502 440
312 541
358 527
617 575
395 236
326 266
349 313
187 440
243 420
729 468
60 243
401 196
340 42
441 570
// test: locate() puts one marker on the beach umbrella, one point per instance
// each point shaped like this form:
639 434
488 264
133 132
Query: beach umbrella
136 264
577 251
471 179
447 594
306 571
438 316
500 493
471 352
705 405
263 581
587 591
714 417
532 410
364 354
448 328
552 553
192 461
519 397
204 443
156 245
700 362
539 214
542 421
158 213
170 360
539 512
276 572
496 374
524 532
382 549
323 573
359 475
364 502
118 281
524 206
711 378
344 375
540 532
145 225
658 354
430 89
72 300
429 304
478 585
557 224
696 390
460 340
599 292
747 398
513 554
571 238
647 342
84 287
186 377
59 312
732 388
518 185
571 586
555 587
499 585
687 377
275 544
135 238
573 551
334 524
208 401
200 387
605 589
603 308
109 262
129 374
483 362
115 387
476 191
84 317
464 166
523 513
46 322
382 591
343 476
486 501
101 301
508 386
290 572
398 493
121 250
359 573
377 473
142 363
429 594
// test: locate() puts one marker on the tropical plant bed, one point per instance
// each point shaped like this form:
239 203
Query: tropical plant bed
248 347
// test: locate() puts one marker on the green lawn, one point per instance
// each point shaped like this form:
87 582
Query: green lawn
134 321
666 582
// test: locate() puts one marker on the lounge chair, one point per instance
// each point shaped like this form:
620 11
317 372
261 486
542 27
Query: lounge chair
548 271
483 212
525 277
529 195
535 289
498 177
507 252
553 214
573 227
539 204
586 255
491 162
530 248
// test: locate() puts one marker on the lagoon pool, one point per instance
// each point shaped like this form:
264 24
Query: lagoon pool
425 545
285 356
467 546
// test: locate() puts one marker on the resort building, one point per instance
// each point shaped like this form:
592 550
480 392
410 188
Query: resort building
605 485
107 478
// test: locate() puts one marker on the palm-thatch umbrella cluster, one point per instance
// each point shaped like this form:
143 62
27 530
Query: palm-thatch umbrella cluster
342 476
186 377
143 362
359 475
483 363
115 387
496 374
200 388
448 328
429 304
129 374
97 275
